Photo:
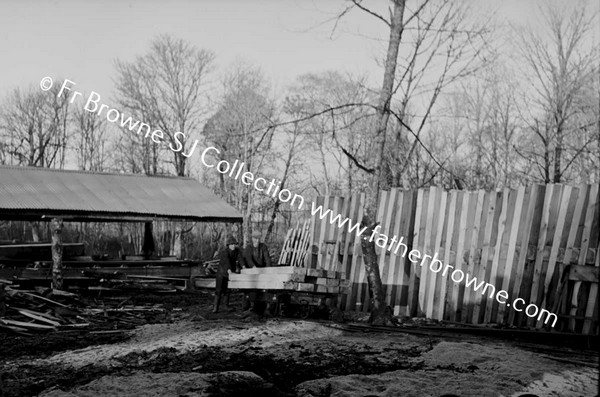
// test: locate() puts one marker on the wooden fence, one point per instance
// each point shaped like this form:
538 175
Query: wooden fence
518 240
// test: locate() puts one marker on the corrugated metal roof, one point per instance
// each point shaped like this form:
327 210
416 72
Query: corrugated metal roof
34 192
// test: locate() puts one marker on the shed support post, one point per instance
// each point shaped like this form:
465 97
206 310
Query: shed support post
177 243
148 247
57 253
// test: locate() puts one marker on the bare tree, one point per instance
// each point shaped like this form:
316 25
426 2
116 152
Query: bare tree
293 143
335 111
91 140
241 131
35 128
561 62
479 127
165 89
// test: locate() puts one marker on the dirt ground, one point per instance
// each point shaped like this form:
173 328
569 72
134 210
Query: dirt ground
192 352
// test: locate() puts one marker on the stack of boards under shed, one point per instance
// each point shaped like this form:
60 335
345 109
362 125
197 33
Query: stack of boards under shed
290 278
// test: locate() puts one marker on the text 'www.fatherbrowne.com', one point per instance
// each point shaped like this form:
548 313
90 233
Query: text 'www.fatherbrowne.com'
398 247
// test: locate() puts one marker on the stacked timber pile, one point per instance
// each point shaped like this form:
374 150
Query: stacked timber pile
290 278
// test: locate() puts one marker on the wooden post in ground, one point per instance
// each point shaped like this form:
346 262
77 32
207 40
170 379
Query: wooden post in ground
177 251
148 247
57 253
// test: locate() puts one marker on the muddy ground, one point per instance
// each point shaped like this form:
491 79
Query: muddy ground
188 351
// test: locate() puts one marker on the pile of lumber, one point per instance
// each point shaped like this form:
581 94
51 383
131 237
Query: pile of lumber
290 278
47 310
29 311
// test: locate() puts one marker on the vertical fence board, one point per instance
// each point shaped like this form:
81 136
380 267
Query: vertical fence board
478 309
422 267
455 255
356 263
585 244
434 279
477 202
406 236
470 230
416 239
556 242
509 266
493 275
388 204
579 235
591 311
546 231
531 250
389 268
393 281
522 242
348 252
447 250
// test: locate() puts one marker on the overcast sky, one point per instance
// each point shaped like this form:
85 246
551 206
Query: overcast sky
79 40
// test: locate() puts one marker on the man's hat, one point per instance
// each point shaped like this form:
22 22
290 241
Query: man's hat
231 240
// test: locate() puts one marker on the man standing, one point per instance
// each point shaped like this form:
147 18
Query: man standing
257 254
228 258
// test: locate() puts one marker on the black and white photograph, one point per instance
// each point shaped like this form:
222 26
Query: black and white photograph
299 198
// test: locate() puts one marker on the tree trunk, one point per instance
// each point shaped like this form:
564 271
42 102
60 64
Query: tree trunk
272 221
558 155
385 95
57 252
278 202
379 314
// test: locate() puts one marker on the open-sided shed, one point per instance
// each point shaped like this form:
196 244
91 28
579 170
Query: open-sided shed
38 194
28 193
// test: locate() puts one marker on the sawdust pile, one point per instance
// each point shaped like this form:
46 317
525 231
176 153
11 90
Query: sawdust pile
189 336
465 369
171 385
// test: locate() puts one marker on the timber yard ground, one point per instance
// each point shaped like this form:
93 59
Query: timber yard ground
182 349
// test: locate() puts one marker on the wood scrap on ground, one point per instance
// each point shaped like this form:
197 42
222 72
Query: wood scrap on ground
27 312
